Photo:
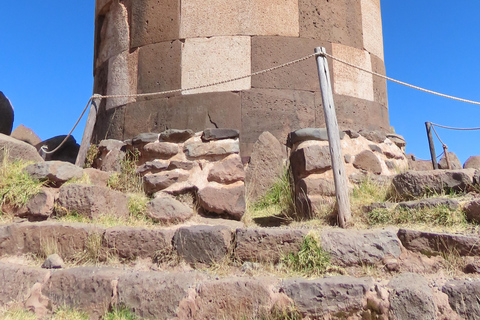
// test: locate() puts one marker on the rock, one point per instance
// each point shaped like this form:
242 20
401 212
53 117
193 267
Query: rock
162 180
197 149
348 158
231 298
158 150
451 204
368 161
132 243
431 243
55 173
314 185
375 148
455 164
176 136
219 134
17 280
17 150
265 167
89 289
267 245
167 210
203 244
472 162
155 166
352 134
419 165
37 302
226 200
6 115
415 184
26 135
228 170
111 154
472 268
97 177
353 247
92 201
397 139
53 261
463 297
411 298
184 165
310 159
327 296
378 205
306 134
41 206
154 295
68 151
375 136
144 138
472 210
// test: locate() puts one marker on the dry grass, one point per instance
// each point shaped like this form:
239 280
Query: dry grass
16 312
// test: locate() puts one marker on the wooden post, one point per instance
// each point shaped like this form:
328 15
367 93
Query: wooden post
88 132
447 157
432 146
338 167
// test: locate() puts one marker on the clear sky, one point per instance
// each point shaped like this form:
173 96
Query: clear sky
46 58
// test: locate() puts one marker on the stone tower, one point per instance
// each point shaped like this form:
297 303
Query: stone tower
144 46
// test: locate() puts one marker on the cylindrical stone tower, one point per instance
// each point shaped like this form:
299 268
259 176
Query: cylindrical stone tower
144 46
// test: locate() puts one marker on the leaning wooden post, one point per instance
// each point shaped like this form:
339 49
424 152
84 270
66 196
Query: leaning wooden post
88 132
339 175
428 125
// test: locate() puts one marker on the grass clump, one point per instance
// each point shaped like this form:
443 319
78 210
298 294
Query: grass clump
16 186
368 192
17 313
311 260
120 313
65 313
127 180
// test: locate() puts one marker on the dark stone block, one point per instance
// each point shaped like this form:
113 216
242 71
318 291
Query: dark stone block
219 134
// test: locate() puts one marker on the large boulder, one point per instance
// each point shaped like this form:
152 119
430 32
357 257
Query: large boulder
222 199
166 209
463 296
455 164
6 115
368 161
68 151
25 134
472 162
15 149
55 173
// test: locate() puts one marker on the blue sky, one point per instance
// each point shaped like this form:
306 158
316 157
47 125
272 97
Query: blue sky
46 58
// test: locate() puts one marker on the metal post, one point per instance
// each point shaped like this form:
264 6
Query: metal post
338 167
432 146
88 132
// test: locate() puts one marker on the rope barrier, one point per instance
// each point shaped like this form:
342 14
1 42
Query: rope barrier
97 96
454 128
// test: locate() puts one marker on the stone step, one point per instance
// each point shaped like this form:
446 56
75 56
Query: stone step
200 295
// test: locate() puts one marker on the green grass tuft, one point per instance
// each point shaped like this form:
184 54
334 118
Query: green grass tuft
127 181
311 260
120 314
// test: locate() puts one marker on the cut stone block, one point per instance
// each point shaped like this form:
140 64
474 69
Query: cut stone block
372 33
208 60
122 78
224 199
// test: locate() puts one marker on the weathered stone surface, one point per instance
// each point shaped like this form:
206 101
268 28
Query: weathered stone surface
89 289
25 134
431 243
144 138
231 297
122 79
418 164
310 159
131 243
455 164
68 151
17 281
375 135
203 244
331 295
229 170
372 32
197 149
184 165
472 210
267 245
97 177
451 204
375 148
92 201
55 173
41 205
319 134
223 199
351 247
154 295
414 184
53 261
37 302
239 17
159 181
463 297
219 134
368 161
110 154
158 150
411 298
17 150
472 162
315 185
176 136
68 239
266 165
154 166
165 209
397 139
6 112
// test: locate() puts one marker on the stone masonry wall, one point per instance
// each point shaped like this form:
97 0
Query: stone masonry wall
148 46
